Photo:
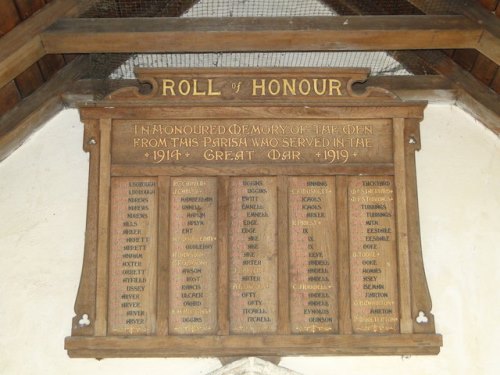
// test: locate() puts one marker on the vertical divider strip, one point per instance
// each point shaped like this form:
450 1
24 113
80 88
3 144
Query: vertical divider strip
334 254
223 255
163 258
406 323
343 261
283 261
103 227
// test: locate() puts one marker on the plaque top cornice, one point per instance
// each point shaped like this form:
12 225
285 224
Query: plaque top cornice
236 86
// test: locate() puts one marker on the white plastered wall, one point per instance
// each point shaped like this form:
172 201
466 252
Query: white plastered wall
43 188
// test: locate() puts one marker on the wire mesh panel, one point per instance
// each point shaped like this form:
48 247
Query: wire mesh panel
138 8
268 8
259 8
380 62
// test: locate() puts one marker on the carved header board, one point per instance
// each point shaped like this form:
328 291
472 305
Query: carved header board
252 213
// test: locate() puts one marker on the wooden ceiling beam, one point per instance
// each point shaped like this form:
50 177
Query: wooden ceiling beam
260 34
489 40
22 47
32 112
474 97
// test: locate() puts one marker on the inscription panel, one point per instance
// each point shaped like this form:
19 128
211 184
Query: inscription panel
312 255
372 244
253 251
132 261
193 257
252 141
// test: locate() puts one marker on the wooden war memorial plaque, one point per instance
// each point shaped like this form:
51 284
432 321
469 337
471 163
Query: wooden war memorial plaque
251 212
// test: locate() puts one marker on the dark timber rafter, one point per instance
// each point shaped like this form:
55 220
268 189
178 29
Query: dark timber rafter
472 96
475 98
489 41
21 121
22 47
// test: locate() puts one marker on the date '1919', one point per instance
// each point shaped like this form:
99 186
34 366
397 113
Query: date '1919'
334 156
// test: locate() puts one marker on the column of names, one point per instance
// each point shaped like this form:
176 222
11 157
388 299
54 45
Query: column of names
193 256
253 255
374 296
312 255
133 247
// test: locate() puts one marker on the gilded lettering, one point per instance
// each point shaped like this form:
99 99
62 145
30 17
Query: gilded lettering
274 87
335 86
316 88
304 87
168 84
211 91
184 87
256 86
195 89
289 87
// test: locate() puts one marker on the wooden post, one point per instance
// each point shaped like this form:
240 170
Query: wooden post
406 323
103 228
